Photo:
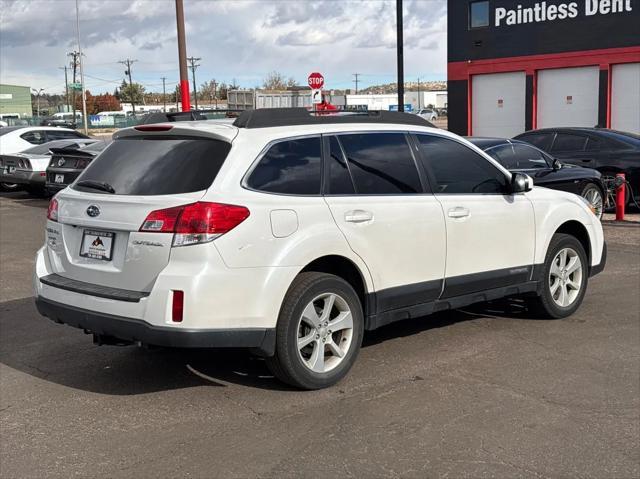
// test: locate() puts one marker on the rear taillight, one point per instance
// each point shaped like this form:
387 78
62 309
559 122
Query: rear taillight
52 211
82 164
195 223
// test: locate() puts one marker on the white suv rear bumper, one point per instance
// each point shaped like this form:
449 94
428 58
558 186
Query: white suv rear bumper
216 299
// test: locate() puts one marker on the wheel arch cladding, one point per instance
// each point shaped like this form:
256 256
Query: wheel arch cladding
579 231
347 270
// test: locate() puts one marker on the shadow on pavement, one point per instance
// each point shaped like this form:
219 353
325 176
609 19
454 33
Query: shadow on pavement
66 356
23 198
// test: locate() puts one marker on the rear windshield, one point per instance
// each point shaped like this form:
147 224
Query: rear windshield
156 166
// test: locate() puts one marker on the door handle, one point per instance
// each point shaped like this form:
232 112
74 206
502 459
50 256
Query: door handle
358 216
458 212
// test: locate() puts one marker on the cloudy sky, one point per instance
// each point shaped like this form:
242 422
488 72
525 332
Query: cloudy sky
241 39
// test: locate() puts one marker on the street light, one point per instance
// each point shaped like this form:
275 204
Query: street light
37 92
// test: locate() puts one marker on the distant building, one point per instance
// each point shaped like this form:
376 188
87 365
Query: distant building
15 101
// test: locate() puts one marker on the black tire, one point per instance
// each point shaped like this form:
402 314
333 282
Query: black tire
587 193
544 303
287 363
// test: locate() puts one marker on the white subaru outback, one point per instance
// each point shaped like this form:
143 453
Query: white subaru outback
291 235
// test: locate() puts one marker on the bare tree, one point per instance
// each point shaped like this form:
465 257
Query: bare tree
277 81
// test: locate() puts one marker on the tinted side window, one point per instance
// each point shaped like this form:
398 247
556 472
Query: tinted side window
504 155
381 163
567 142
541 140
528 158
458 169
292 167
593 144
34 137
340 182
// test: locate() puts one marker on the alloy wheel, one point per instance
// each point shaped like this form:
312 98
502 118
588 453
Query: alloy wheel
594 197
565 277
325 332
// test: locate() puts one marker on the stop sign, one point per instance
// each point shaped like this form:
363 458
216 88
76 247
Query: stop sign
316 80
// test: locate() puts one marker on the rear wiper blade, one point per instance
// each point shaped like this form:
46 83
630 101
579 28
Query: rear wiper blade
97 185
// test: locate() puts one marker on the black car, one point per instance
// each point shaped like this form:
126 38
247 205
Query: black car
67 163
608 151
545 170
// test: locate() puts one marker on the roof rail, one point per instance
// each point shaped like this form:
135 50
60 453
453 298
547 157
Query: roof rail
271 117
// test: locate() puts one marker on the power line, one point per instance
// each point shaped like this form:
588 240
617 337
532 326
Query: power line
193 67
128 64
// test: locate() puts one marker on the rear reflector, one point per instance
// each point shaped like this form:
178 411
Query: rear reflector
153 127
195 223
177 306
52 211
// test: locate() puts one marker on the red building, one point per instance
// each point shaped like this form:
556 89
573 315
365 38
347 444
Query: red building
520 65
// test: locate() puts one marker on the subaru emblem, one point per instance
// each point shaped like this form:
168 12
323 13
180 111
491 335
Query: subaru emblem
93 211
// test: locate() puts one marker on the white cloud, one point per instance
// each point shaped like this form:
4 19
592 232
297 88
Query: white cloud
240 39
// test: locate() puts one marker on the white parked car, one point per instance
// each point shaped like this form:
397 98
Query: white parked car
428 114
292 235
14 139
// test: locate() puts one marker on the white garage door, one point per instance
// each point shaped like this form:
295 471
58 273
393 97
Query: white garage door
625 97
568 97
498 104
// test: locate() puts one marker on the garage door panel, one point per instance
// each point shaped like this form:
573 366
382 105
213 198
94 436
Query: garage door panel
625 97
568 97
498 104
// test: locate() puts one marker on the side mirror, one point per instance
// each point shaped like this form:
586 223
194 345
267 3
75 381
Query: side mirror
556 165
521 183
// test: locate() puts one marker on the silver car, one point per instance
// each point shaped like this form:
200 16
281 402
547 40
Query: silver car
27 169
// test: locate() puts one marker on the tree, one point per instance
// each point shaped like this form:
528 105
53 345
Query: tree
276 81
208 90
135 91
106 102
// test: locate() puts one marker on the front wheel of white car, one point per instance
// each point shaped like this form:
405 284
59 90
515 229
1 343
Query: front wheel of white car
564 278
319 332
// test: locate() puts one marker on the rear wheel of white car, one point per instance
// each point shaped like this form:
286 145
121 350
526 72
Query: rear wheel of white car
564 279
319 332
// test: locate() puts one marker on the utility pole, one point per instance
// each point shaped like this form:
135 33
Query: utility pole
66 86
182 57
74 65
215 92
85 120
164 95
127 72
418 93
400 54
356 80
193 67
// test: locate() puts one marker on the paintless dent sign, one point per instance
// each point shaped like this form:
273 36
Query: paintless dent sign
548 12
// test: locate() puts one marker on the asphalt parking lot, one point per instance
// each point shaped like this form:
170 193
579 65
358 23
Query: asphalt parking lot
488 391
